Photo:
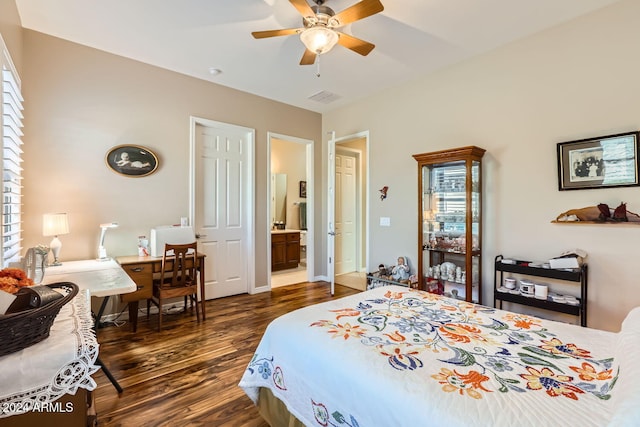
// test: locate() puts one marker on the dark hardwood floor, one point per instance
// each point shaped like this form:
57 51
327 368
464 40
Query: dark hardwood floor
188 374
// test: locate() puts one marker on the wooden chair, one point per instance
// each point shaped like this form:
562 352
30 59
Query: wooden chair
178 278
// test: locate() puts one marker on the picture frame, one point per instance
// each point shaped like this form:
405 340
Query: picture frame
602 162
132 160
303 189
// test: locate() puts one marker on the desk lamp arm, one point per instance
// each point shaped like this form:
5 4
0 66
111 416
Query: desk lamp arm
102 252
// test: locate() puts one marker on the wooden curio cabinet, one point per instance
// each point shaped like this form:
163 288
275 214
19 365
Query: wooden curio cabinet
450 222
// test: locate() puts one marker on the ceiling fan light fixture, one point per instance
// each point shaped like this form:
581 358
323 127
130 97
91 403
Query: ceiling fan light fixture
319 39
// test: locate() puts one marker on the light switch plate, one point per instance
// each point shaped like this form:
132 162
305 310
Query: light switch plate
385 221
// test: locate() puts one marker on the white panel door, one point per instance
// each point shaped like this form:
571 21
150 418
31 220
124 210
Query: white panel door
338 216
345 219
220 220
331 197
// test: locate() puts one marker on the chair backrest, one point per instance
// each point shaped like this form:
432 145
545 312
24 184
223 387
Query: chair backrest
179 265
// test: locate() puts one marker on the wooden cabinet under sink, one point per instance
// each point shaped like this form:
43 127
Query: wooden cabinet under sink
285 250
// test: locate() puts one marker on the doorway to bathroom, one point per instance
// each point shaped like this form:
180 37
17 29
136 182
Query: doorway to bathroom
290 228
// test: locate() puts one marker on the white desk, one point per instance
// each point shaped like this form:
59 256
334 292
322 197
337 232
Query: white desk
101 278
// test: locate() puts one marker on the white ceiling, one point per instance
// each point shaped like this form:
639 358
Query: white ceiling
412 38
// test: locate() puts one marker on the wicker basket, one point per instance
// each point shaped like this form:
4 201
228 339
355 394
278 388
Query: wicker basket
23 329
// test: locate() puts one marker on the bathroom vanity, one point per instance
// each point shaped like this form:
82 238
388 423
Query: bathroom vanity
285 249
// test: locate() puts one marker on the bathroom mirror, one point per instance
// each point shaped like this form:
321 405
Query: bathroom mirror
278 198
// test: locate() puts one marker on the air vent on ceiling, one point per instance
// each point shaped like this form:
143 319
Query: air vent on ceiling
324 97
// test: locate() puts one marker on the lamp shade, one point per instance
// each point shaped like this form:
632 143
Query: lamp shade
319 39
55 224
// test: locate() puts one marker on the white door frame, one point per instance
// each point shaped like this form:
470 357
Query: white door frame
331 211
310 207
333 141
249 214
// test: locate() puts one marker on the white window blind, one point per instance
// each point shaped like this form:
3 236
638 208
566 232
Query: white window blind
11 120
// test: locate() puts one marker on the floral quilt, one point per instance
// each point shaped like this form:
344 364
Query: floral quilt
394 356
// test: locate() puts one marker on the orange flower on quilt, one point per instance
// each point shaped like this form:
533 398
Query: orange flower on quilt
588 372
462 332
394 295
346 312
469 384
467 306
555 346
522 320
428 296
555 385
396 336
347 331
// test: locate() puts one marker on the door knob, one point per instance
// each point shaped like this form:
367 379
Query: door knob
198 235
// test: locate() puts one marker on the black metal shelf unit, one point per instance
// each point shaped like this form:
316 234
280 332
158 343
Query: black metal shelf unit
578 275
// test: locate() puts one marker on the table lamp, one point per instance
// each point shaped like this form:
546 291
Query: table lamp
102 252
55 224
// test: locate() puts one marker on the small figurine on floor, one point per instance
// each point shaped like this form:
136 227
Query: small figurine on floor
383 273
400 271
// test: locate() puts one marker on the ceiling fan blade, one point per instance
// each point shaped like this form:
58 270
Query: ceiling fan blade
308 58
358 11
303 7
355 44
275 33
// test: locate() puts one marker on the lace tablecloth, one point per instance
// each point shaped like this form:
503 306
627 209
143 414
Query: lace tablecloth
59 365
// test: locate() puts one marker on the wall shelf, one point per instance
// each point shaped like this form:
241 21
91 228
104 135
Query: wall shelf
634 223
578 275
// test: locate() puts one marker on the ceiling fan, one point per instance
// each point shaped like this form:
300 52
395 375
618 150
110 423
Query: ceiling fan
319 34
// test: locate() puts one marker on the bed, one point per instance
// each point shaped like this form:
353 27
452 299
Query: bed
394 356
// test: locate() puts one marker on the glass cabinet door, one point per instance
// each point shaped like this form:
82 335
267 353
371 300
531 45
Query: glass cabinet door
450 222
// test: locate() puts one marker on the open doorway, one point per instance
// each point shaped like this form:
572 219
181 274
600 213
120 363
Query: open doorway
351 211
290 207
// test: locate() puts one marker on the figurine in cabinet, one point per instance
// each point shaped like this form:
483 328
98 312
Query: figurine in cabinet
435 286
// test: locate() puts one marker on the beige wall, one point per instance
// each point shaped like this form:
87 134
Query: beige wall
80 102
578 80
11 31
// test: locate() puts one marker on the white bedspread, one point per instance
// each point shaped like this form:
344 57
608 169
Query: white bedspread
398 357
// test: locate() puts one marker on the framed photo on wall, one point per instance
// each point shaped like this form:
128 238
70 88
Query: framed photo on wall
132 160
603 162
303 189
